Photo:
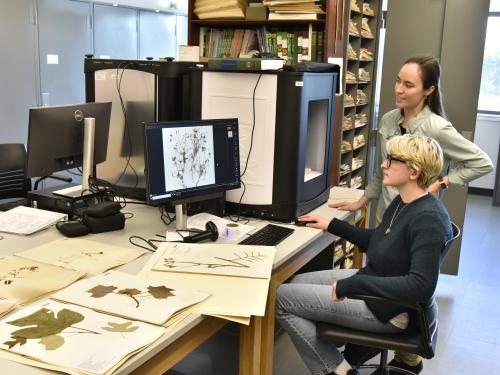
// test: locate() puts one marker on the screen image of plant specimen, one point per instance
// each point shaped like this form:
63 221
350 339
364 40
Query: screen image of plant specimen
218 259
72 337
188 157
130 296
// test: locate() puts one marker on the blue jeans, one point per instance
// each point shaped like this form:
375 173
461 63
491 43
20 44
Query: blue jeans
307 299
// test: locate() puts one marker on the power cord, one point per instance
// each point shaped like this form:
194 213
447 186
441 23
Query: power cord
238 215
128 164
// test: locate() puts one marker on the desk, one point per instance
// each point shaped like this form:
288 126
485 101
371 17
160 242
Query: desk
256 340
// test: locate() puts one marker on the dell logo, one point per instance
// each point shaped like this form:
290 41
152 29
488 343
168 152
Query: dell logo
78 115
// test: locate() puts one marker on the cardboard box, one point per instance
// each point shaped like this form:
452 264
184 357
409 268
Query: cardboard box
256 13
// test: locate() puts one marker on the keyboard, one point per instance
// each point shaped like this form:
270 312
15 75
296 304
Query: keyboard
270 235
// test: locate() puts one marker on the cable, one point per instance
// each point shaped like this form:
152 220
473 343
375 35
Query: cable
165 216
253 126
238 215
128 164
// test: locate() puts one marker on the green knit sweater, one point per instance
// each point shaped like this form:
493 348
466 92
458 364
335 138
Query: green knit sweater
404 264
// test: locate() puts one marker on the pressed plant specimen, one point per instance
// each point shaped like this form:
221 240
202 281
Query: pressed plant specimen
158 292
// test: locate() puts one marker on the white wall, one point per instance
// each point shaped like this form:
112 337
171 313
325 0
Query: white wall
487 136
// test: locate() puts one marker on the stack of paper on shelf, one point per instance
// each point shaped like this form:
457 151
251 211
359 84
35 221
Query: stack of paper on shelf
82 255
340 194
294 9
72 339
212 9
26 280
27 220
132 297
237 277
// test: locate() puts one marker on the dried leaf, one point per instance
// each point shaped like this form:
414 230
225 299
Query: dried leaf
120 327
160 292
101 290
17 340
52 342
130 291
45 323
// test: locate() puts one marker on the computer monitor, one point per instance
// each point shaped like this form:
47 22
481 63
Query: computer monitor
188 161
55 136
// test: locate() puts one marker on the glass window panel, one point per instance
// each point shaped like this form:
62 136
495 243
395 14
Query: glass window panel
494 5
489 96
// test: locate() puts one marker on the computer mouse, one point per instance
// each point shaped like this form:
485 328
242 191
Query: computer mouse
302 223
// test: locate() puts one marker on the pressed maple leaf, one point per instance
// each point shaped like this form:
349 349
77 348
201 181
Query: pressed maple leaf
101 290
43 323
16 340
52 342
160 292
130 291
120 327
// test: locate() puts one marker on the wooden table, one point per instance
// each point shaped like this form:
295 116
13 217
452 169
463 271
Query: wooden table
256 340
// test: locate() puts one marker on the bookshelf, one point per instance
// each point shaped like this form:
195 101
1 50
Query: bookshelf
360 44
332 42
320 32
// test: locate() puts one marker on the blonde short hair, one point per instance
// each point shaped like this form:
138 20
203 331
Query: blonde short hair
420 153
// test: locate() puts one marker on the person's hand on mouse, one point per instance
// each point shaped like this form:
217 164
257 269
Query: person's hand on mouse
315 221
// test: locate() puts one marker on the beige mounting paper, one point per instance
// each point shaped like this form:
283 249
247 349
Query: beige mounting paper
26 279
130 296
7 305
73 338
82 255
217 259
230 296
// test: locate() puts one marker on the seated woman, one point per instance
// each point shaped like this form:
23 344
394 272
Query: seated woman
404 257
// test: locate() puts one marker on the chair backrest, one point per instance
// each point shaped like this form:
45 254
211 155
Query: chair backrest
447 245
429 337
13 181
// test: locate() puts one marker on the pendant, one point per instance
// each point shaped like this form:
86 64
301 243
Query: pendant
387 231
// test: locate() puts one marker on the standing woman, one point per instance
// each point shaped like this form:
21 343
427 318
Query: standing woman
420 111
404 252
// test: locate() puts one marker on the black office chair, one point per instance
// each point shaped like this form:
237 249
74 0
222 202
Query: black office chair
13 181
421 341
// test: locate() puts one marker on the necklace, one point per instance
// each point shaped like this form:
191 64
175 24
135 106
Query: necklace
394 216
397 212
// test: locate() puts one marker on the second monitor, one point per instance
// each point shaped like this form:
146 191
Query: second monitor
188 161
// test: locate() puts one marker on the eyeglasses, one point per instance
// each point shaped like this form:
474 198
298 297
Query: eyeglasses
391 158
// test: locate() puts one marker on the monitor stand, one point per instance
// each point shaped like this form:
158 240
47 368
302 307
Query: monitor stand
88 163
181 216
181 208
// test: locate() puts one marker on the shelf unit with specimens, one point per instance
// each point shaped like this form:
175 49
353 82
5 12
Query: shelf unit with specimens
361 25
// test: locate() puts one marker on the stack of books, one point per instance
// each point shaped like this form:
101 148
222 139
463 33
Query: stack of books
295 9
290 45
214 9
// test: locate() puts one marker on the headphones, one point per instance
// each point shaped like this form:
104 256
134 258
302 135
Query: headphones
211 232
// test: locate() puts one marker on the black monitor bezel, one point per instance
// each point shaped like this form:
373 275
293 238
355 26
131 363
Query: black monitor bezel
208 193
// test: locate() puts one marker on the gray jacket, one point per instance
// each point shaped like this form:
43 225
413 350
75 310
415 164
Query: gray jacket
463 160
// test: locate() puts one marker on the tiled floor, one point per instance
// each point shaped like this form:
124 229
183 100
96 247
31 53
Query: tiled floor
469 304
